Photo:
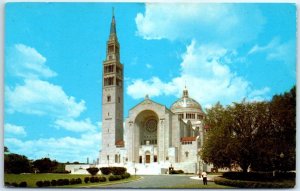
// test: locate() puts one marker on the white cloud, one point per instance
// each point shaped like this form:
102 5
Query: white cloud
62 149
14 130
76 126
207 75
26 62
229 24
42 98
276 50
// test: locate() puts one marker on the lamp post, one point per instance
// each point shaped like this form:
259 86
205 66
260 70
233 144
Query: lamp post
281 158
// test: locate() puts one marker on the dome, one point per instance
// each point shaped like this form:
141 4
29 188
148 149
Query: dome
185 102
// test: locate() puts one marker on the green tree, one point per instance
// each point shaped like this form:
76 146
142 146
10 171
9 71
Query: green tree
45 165
6 149
16 164
215 149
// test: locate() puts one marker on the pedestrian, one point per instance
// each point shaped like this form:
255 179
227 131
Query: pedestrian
204 176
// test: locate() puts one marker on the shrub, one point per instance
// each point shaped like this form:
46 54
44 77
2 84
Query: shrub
92 179
114 177
39 183
126 175
176 172
66 181
78 181
86 179
46 183
259 176
23 184
14 184
102 179
252 184
97 179
93 170
118 170
105 170
72 181
53 182
7 184
60 182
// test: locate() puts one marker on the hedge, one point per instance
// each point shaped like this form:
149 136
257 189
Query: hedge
114 177
59 182
259 176
176 172
252 184
113 170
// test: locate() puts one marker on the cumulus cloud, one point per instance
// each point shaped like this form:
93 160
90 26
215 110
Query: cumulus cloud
75 125
207 75
62 149
14 130
42 98
228 24
26 62
276 50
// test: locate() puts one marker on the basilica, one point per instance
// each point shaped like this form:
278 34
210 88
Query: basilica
153 137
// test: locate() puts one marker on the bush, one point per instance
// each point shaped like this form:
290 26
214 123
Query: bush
53 182
114 177
23 184
39 183
73 181
126 175
176 172
66 181
259 176
105 170
102 179
14 184
118 170
92 179
60 182
93 170
46 183
78 181
86 179
97 179
252 184
7 184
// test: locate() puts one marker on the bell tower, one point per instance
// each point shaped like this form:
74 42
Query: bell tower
112 97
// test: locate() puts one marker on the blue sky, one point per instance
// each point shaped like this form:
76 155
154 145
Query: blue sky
54 54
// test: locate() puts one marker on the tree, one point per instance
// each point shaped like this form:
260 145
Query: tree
6 149
16 164
45 165
215 149
257 134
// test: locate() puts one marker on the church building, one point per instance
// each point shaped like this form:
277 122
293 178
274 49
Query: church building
154 137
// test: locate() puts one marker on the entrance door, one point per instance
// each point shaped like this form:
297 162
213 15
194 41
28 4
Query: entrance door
147 158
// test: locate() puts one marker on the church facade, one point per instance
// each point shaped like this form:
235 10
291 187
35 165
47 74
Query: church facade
154 137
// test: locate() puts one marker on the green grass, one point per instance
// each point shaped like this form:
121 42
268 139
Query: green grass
31 179
210 185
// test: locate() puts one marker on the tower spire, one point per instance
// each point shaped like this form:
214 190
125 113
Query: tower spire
113 30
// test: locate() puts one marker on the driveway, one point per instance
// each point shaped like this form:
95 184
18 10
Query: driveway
157 181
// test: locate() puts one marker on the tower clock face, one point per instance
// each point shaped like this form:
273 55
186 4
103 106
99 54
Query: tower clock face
151 125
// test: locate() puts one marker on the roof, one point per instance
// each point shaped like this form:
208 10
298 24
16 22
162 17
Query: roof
186 102
187 139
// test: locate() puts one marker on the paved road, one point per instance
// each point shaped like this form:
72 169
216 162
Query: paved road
157 181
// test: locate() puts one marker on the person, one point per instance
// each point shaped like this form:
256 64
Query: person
204 176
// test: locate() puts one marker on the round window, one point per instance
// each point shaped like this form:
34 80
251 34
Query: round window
151 125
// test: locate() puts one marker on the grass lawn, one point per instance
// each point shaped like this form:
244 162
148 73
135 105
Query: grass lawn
209 185
31 179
